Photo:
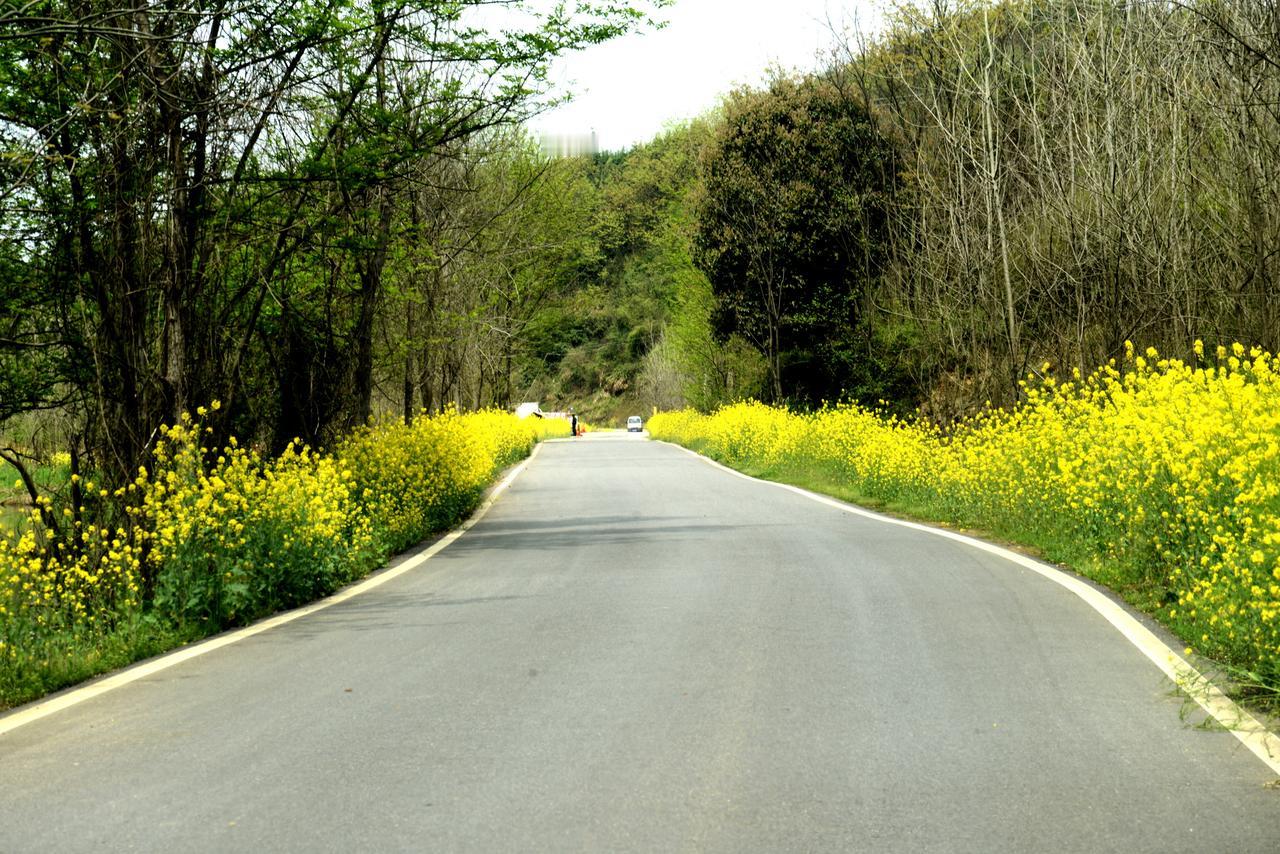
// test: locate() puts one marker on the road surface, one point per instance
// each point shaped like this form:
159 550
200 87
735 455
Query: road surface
635 651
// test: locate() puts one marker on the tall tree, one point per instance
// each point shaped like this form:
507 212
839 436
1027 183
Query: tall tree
792 228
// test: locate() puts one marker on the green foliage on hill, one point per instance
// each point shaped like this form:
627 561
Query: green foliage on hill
637 334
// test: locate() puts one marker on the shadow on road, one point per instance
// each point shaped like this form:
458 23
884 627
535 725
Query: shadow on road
579 532
377 611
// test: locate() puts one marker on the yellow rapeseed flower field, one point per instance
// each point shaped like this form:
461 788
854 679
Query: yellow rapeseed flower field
219 536
418 478
1155 475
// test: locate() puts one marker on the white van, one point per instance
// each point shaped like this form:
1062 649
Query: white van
634 424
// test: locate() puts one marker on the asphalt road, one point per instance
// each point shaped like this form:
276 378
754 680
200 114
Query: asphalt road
634 651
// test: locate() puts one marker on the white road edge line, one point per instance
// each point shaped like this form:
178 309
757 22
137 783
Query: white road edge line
1249 730
28 714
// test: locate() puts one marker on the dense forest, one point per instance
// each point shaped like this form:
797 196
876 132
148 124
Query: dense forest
317 214
1076 175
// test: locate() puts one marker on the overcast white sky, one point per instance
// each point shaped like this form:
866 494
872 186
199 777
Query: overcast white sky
629 88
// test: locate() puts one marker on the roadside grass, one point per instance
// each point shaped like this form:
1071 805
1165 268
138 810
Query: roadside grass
12 517
48 662
51 477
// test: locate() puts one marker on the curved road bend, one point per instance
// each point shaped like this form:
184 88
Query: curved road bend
634 651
